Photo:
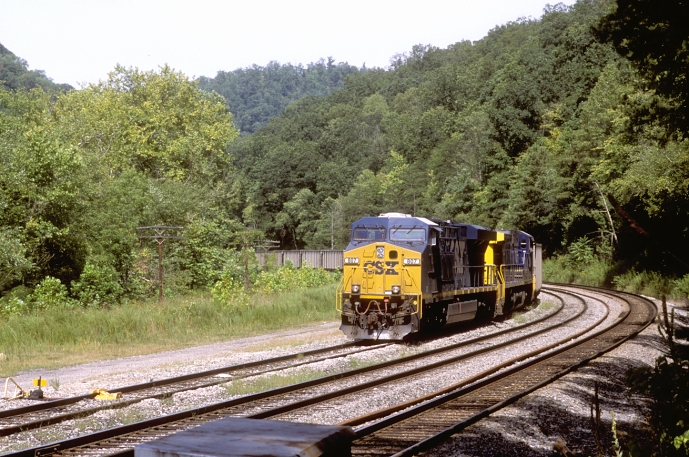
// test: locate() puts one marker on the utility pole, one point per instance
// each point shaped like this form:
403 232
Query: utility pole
160 236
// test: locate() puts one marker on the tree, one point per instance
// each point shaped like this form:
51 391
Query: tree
654 37
159 123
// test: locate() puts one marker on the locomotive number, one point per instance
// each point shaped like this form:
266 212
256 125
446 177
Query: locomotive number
380 267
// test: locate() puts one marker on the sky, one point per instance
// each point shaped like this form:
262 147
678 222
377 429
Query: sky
79 41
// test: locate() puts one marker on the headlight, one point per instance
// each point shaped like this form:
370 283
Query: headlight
351 260
396 290
356 288
380 252
411 261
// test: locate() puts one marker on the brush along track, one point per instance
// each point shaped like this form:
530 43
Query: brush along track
268 404
427 425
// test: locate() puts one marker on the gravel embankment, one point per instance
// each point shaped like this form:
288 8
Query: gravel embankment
538 439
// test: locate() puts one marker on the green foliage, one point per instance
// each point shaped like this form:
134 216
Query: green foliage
98 286
231 289
655 40
681 289
11 305
539 126
255 94
288 278
597 272
668 385
64 336
15 74
50 293
581 252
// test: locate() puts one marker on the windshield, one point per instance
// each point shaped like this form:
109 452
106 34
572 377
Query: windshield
407 234
363 233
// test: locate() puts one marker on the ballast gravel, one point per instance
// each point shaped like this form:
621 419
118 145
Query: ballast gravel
558 413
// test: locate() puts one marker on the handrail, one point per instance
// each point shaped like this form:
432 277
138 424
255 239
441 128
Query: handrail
418 296
338 295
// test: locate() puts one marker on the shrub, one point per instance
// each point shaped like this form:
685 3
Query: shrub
668 384
49 293
12 305
98 286
681 289
230 287
563 269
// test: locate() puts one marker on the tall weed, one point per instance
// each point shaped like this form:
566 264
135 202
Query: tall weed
63 336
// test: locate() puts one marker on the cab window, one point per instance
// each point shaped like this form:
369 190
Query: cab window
369 234
407 234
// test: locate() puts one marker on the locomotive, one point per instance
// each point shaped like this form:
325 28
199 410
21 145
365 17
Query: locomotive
405 274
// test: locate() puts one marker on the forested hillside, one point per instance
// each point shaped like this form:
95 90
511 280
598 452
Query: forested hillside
256 94
541 125
15 74
558 126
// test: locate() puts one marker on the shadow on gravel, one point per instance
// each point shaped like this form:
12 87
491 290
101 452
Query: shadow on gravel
532 425
650 342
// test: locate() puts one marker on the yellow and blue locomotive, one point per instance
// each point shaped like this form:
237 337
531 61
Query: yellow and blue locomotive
405 274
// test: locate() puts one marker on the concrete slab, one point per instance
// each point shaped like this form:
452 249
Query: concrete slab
240 437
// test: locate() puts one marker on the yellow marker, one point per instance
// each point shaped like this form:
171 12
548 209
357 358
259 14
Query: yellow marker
102 394
40 382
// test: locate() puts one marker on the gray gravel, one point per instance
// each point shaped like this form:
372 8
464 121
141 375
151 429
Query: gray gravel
507 427
560 413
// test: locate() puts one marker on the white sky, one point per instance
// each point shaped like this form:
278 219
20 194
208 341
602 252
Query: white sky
80 41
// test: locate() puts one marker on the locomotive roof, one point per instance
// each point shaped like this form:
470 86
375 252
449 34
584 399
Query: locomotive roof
388 220
393 219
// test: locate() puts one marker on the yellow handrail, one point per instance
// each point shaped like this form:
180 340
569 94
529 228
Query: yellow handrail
338 295
416 287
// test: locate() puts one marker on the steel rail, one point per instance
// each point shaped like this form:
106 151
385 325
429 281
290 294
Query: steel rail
427 425
214 411
370 417
34 416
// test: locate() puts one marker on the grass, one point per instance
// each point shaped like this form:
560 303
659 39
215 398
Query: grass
263 383
61 337
519 317
355 363
601 273
546 305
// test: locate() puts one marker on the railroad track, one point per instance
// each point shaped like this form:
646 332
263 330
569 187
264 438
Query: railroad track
282 401
41 414
423 427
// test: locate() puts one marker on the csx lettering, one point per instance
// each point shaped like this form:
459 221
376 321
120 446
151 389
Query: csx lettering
378 268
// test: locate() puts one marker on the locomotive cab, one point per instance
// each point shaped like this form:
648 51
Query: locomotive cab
380 292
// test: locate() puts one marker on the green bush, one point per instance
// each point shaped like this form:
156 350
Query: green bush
681 289
98 286
12 305
230 288
288 278
652 283
49 293
564 269
668 385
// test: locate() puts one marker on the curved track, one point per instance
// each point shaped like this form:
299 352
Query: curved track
430 423
286 402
